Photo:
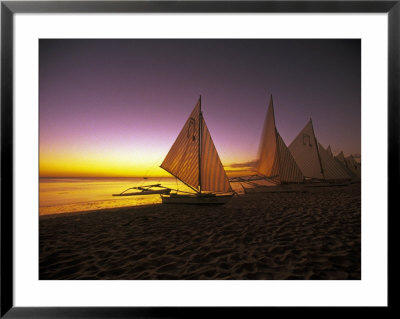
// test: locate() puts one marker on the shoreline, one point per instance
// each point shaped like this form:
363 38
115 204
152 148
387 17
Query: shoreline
290 188
84 212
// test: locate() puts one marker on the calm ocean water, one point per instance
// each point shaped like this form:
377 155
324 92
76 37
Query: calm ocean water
67 195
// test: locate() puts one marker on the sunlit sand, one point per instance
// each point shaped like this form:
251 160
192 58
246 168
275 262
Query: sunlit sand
68 195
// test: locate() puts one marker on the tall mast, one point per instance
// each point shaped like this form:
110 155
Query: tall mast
316 145
200 130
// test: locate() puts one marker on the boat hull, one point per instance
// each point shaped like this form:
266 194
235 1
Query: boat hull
146 192
195 199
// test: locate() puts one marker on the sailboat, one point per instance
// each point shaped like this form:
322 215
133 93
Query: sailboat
193 159
315 162
352 167
275 162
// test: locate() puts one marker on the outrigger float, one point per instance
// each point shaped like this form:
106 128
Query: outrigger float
146 190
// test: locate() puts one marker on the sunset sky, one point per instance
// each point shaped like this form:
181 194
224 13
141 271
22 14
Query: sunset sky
114 107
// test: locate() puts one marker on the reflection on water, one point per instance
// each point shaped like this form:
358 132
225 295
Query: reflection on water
65 195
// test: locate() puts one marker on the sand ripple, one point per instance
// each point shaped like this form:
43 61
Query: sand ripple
311 235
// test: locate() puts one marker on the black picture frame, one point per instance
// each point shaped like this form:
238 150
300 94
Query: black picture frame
9 8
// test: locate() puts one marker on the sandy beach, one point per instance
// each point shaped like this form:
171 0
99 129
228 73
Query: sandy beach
310 234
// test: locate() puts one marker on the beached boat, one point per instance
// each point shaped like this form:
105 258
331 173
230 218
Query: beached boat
193 159
305 162
275 165
315 162
146 190
275 162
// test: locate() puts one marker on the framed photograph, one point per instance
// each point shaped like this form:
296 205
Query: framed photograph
183 158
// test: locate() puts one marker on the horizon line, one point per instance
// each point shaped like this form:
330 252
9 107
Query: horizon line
104 177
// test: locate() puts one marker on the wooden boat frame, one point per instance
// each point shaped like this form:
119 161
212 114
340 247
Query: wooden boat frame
146 190
197 198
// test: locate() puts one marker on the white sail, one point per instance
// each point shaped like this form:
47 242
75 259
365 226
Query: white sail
182 159
198 166
340 157
275 160
331 168
288 169
342 161
213 176
305 152
267 158
329 151
353 165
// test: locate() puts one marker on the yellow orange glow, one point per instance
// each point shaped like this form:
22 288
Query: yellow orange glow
107 165
86 161
97 166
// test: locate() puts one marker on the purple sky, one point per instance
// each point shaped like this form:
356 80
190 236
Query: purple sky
132 97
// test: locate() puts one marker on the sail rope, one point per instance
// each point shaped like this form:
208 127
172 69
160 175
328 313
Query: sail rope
151 168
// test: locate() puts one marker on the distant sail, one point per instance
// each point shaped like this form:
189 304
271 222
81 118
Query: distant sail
267 163
275 160
340 157
213 176
331 168
304 149
288 169
353 165
329 151
182 160
342 160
